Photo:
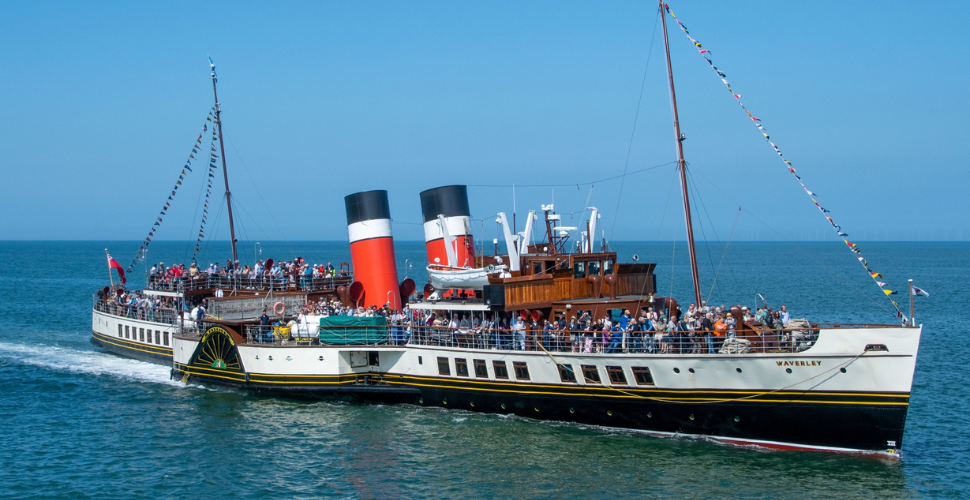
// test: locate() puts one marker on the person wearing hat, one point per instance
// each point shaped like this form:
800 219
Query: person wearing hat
732 324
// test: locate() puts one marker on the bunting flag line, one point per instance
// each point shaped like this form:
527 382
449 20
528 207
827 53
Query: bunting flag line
187 167
208 191
854 248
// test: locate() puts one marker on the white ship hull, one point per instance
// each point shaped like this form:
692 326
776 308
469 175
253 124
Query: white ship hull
835 395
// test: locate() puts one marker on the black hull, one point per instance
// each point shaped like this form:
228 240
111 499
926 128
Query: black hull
840 422
866 428
133 350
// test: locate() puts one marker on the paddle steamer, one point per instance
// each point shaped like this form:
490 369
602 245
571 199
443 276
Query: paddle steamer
821 386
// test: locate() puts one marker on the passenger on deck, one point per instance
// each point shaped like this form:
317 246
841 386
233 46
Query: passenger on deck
264 327
732 325
707 326
519 330
573 329
547 335
720 329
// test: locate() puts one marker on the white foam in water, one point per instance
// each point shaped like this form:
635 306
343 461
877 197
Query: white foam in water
90 362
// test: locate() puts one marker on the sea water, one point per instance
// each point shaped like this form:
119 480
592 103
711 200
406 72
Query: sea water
78 422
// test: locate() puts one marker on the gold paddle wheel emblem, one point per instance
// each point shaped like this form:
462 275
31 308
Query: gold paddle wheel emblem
217 350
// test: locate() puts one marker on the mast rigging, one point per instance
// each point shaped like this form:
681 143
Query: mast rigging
681 165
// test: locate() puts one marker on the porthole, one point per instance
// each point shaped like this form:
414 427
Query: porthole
787 370
421 401
444 401
738 370
320 358
737 418
676 370
690 370
692 416
609 413
536 409
649 414
572 410
842 369
257 356
503 406
471 404
271 358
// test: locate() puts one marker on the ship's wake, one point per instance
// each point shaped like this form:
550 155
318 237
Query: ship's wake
85 362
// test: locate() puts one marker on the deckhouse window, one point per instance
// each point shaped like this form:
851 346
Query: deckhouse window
521 370
158 337
566 373
579 269
141 334
500 370
165 338
443 367
616 374
594 267
461 367
481 370
591 374
119 330
642 375
127 333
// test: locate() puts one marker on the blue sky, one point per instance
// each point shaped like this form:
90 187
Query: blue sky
100 104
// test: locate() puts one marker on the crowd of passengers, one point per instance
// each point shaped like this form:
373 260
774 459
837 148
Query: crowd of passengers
696 331
160 275
137 305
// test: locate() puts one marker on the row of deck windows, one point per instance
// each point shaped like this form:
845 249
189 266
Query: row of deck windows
591 373
130 332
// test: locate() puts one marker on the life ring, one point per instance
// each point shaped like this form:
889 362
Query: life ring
279 308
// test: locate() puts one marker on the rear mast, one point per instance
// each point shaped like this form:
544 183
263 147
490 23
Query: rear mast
681 164
225 174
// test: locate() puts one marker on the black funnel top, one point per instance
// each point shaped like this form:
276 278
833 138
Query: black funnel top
369 205
450 201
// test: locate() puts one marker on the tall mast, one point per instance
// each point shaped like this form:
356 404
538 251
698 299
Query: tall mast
681 164
225 174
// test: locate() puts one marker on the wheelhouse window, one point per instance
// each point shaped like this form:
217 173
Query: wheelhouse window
642 375
591 374
443 367
579 269
461 367
607 267
594 267
481 370
521 370
617 377
501 371
566 373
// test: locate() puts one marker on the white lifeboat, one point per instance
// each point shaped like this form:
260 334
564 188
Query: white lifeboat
465 278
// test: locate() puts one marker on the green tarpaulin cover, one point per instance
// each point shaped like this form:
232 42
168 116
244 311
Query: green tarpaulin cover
353 330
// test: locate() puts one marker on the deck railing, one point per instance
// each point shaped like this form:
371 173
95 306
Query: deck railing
154 314
650 342
274 283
